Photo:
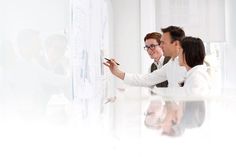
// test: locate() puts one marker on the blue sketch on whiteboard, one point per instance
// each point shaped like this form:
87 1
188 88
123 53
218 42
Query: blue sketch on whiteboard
85 84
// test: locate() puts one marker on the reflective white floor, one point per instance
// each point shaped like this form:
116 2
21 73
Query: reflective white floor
120 128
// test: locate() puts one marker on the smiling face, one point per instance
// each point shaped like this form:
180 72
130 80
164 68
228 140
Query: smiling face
154 50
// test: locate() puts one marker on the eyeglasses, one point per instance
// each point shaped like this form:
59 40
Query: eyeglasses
152 47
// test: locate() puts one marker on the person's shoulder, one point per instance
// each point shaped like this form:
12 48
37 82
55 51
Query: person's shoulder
200 70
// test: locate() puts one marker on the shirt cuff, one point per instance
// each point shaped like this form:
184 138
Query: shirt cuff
128 78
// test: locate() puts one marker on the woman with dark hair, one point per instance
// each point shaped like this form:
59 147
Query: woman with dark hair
191 56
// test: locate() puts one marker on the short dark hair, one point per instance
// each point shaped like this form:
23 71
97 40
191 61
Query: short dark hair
176 33
153 35
193 51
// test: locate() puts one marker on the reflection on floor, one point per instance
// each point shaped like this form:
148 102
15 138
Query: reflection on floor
126 126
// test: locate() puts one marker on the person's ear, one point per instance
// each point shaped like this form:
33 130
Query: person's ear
177 43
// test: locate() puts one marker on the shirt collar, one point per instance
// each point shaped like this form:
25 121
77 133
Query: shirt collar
161 60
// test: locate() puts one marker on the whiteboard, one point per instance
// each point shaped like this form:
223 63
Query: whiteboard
89 42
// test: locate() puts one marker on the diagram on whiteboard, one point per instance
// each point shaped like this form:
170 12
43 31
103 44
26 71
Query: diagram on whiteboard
89 38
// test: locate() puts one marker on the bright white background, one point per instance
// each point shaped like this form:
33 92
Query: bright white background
36 102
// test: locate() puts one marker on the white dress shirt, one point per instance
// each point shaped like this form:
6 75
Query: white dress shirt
158 64
171 71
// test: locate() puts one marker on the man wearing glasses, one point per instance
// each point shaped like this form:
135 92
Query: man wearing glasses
152 46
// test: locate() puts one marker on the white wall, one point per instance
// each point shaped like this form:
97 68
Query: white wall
47 16
230 55
127 33
30 22
126 18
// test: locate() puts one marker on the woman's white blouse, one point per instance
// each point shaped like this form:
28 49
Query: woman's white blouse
197 84
197 81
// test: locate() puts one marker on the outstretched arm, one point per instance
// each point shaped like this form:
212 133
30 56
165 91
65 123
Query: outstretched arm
112 65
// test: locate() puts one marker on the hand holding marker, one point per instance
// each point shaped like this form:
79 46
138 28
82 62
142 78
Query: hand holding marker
110 60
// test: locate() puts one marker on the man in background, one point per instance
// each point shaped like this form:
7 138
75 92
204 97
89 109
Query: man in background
152 46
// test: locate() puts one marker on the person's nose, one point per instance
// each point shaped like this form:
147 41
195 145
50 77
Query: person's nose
149 51
161 46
